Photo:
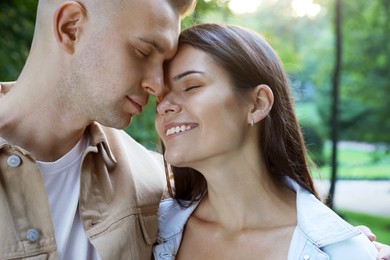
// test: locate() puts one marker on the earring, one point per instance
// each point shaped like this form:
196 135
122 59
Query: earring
252 122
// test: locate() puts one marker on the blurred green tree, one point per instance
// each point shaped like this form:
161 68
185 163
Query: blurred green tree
364 91
17 18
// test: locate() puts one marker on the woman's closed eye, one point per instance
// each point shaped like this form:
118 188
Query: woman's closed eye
191 88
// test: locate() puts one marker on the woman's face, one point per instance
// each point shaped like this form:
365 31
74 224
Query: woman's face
200 118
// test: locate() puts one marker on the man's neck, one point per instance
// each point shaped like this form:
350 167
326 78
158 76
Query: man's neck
38 127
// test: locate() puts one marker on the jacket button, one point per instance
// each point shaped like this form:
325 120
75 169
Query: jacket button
14 161
32 235
306 257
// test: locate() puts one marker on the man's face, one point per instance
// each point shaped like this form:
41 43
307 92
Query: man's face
120 63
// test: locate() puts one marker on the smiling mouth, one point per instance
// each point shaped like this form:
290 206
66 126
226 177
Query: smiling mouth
178 129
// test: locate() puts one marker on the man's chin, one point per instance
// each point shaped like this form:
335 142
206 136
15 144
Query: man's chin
120 124
125 124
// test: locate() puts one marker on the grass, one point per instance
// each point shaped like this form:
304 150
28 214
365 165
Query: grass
358 164
380 226
353 163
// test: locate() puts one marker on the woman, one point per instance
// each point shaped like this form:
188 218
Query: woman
243 189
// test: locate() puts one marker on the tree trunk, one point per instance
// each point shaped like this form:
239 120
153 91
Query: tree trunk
335 102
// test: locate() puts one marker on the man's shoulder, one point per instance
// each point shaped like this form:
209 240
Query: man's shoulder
131 144
133 161
122 148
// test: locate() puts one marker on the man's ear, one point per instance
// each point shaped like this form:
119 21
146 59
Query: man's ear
69 18
263 100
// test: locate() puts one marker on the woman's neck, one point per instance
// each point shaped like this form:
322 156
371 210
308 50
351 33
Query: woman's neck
245 197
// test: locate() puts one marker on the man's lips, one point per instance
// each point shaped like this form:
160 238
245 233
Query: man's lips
138 104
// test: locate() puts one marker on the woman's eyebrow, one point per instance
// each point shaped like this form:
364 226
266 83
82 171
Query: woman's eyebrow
186 73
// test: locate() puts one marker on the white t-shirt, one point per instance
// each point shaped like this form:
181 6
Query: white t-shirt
62 182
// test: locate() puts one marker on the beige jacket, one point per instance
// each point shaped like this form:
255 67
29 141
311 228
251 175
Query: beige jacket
121 187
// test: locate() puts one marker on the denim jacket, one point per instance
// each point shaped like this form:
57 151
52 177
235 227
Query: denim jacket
320 233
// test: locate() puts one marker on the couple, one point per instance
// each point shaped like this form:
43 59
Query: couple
75 188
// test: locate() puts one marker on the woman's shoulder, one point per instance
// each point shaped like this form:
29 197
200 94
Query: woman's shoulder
327 231
356 247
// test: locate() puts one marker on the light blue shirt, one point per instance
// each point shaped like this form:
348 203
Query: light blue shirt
320 233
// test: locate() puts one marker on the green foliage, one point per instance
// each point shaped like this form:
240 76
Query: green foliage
364 115
17 19
208 10
142 127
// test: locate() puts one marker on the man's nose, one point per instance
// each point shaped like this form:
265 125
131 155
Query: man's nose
153 83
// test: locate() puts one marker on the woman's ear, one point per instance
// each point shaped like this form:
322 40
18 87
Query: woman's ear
69 18
262 100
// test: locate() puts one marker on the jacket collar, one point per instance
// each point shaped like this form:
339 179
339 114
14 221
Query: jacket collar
98 137
5 144
320 224
310 213
172 218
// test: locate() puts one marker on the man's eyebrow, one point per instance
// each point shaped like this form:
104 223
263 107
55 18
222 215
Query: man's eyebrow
154 44
186 73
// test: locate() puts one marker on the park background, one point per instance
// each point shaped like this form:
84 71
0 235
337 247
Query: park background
336 53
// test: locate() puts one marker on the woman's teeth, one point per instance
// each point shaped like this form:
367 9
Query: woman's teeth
177 129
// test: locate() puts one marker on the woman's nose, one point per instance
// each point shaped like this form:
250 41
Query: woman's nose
167 105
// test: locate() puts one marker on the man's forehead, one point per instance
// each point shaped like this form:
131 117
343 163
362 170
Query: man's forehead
160 26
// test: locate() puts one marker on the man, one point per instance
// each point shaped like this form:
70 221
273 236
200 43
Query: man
72 186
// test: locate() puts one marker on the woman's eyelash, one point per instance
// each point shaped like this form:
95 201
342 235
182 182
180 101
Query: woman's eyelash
192 87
